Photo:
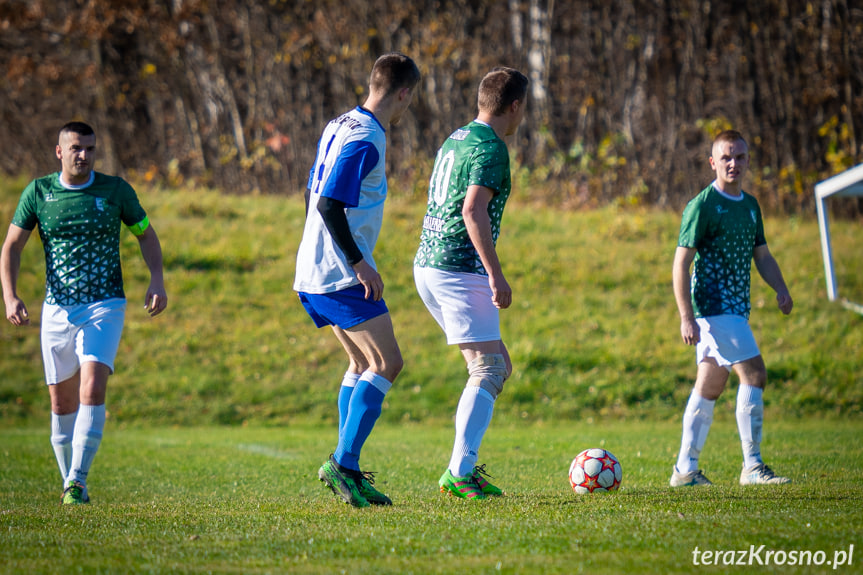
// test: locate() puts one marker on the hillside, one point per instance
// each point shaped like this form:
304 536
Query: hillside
593 329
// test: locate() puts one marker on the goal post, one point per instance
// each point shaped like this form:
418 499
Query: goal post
846 184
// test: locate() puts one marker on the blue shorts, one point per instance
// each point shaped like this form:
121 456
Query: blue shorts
344 308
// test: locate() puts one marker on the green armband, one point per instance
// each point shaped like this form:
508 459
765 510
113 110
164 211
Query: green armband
141 227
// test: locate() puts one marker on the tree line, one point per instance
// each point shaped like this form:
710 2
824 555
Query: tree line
625 95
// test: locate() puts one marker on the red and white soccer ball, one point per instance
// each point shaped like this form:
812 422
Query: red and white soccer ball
595 471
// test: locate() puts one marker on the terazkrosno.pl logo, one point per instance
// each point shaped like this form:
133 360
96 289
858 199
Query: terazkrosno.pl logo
760 555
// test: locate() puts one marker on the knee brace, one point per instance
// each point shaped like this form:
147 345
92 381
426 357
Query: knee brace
488 372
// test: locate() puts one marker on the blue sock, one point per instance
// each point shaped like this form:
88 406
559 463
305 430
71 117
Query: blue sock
349 383
363 412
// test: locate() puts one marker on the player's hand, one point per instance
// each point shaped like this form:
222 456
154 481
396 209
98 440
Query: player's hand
155 301
370 279
689 331
783 299
501 293
16 313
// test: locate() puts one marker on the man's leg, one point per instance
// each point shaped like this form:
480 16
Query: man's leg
373 350
750 408
375 342
697 419
750 421
90 422
488 368
357 365
64 410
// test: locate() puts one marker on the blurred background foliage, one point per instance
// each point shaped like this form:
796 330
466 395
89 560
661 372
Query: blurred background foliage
626 94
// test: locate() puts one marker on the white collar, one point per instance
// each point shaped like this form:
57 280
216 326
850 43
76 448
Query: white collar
78 186
725 195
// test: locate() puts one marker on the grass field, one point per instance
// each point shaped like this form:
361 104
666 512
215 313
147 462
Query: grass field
222 409
593 329
241 500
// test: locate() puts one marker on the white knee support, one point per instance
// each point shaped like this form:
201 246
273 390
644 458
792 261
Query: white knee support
488 372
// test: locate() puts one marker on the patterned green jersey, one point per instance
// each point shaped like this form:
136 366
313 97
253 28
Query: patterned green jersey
80 231
725 231
472 155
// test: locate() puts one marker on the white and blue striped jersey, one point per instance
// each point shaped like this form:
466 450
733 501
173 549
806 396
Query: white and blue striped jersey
349 167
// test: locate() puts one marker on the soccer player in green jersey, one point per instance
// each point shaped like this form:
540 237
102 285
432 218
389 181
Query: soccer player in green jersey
722 233
457 271
78 212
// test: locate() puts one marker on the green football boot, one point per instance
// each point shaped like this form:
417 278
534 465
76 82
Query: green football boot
366 480
479 475
463 487
74 494
342 484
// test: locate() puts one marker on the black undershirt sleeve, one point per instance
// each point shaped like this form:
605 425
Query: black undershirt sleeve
333 213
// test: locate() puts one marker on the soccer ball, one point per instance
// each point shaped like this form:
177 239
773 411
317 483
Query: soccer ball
595 471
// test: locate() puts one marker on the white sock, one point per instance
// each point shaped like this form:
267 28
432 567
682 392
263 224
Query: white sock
346 390
750 420
85 441
696 423
62 428
472 418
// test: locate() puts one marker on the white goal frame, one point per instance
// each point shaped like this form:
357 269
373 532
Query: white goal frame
846 184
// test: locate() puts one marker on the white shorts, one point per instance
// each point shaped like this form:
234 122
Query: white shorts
75 334
726 338
460 303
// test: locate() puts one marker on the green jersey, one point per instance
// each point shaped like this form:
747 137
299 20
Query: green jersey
472 155
80 232
725 230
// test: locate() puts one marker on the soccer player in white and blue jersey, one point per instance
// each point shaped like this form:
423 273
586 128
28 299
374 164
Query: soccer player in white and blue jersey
721 234
79 213
336 276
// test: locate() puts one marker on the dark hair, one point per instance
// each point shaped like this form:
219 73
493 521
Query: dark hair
392 72
79 128
500 88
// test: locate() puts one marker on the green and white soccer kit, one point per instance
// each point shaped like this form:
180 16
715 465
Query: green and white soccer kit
80 231
453 283
472 155
448 272
82 317
84 309
725 230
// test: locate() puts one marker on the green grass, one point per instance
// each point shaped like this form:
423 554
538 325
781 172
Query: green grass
246 500
593 330
222 409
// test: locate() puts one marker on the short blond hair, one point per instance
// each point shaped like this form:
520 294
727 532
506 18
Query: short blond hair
729 136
